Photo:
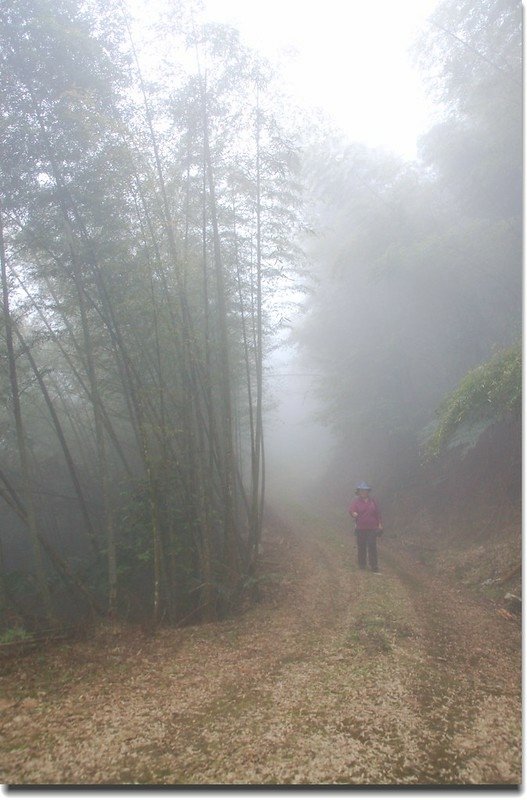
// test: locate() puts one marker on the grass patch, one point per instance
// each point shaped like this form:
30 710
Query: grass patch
372 633
378 629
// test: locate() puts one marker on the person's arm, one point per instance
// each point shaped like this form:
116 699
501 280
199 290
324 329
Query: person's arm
353 511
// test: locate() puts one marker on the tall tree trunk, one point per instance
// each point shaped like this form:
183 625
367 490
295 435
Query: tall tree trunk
257 486
29 499
100 440
107 424
63 443
234 564
4 602
61 566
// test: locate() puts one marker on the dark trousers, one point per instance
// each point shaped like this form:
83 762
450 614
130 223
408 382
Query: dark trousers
367 546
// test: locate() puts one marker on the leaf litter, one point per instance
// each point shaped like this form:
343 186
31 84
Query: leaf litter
335 677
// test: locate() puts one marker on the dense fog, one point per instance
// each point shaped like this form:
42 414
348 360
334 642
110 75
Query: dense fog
413 327
213 302
299 445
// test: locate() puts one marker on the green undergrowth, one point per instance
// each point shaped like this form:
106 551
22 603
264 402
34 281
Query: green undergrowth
17 634
487 394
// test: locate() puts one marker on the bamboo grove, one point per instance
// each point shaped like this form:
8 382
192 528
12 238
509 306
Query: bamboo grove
144 232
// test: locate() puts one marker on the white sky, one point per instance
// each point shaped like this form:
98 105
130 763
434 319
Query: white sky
351 60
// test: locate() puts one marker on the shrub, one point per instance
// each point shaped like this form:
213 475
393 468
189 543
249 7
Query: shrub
486 395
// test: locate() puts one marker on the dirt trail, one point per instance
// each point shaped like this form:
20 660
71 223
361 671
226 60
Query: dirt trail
336 677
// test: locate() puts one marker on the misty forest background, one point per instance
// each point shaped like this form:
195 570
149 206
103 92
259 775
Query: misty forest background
155 238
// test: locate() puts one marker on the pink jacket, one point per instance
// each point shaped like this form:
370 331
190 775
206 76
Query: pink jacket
369 513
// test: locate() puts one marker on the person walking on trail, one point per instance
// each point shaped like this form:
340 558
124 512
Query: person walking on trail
368 526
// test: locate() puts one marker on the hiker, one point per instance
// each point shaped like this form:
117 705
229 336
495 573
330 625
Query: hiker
368 525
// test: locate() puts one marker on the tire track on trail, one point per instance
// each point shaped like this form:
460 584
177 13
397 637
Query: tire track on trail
469 689
337 676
